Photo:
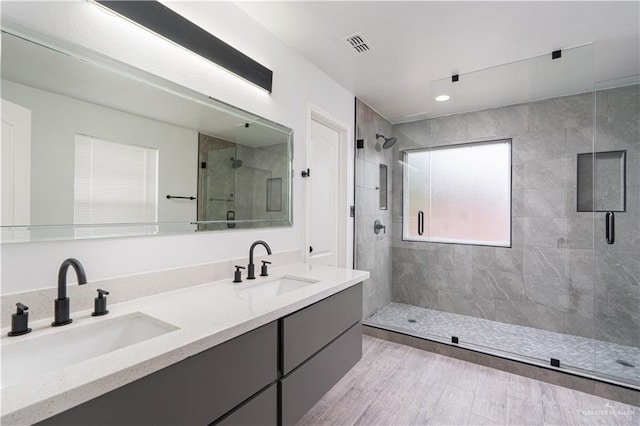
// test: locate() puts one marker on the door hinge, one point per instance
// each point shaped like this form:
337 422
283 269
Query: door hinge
352 211
306 173
310 249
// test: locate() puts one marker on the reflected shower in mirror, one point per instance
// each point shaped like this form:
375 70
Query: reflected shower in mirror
240 181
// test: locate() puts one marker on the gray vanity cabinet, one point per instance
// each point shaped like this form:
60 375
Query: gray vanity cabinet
305 386
307 331
320 344
195 391
269 376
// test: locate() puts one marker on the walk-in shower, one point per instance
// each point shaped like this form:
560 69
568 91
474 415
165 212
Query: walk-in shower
530 251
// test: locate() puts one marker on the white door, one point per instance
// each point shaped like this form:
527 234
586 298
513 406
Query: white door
16 164
323 158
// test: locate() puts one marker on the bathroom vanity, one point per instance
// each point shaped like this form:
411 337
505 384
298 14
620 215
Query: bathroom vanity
261 352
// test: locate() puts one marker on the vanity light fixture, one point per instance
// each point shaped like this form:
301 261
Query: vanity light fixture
443 98
159 19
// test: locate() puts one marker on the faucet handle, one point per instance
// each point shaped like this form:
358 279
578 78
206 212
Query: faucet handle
263 270
100 304
237 276
20 321
21 308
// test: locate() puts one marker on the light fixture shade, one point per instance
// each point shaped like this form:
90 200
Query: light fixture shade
163 21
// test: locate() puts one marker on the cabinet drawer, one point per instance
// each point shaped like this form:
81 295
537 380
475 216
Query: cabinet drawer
307 331
306 385
195 391
261 410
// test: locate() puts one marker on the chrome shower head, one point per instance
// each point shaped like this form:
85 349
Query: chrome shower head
388 142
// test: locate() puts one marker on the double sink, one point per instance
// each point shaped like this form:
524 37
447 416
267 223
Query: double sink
27 358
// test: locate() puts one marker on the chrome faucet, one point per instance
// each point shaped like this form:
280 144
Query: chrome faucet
251 273
61 304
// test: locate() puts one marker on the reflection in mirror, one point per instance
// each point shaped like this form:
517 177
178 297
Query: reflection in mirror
241 180
90 151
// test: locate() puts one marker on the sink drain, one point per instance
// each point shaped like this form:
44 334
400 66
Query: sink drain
625 363
412 320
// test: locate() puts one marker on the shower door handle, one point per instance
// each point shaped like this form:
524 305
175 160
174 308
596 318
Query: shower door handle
420 222
610 228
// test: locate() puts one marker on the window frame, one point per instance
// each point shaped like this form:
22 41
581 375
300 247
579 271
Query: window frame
427 239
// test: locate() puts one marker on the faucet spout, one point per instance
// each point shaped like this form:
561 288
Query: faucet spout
62 276
61 304
251 274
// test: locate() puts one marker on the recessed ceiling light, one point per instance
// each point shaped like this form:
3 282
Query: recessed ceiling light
443 98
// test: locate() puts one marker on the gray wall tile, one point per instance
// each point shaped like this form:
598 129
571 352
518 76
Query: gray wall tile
539 145
373 252
446 130
548 291
541 174
544 261
549 202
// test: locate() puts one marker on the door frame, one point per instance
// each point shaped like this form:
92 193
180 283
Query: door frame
19 163
345 227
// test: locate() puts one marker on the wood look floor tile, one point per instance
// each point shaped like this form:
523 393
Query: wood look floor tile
395 384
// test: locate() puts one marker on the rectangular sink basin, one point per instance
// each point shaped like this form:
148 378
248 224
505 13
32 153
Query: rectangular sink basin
24 360
279 286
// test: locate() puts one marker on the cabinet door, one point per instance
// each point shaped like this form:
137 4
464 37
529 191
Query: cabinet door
305 386
307 331
261 410
195 391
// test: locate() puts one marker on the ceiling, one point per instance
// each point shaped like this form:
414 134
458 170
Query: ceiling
416 43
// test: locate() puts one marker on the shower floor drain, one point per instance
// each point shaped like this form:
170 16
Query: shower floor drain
412 320
625 363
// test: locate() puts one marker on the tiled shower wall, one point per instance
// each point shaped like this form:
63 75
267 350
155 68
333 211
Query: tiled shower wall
373 252
556 276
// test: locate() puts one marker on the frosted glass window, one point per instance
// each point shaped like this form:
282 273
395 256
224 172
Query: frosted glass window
459 194
114 183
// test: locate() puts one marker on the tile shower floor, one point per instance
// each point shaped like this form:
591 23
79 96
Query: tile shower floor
594 356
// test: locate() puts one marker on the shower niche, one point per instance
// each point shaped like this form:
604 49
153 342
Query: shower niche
601 181
602 186
383 187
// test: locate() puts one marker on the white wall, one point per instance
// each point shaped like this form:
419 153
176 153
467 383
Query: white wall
295 83
56 119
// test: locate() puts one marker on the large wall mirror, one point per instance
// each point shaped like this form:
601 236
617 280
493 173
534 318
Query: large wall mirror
90 150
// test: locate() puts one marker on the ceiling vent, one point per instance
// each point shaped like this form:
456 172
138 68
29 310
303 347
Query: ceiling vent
358 43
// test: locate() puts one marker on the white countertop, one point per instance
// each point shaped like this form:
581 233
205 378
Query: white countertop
206 315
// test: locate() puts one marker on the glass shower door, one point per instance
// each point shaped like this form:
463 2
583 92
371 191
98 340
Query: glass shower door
616 195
